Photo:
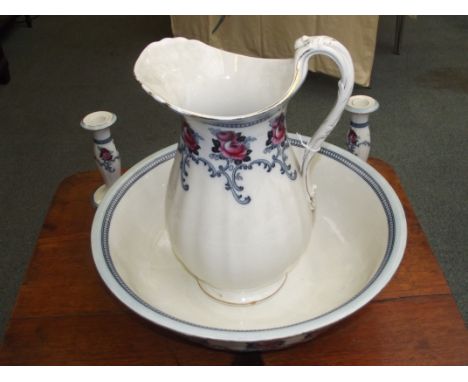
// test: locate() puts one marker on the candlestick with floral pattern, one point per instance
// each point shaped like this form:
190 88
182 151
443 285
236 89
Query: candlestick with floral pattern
358 138
105 153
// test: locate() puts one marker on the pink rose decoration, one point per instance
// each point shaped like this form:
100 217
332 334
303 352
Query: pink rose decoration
234 150
225 136
188 136
231 146
277 134
352 138
105 154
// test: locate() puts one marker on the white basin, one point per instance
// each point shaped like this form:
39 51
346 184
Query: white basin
357 243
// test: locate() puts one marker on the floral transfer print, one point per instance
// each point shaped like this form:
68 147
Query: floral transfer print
278 143
231 145
353 141
190 139
106 159
277 134
231 155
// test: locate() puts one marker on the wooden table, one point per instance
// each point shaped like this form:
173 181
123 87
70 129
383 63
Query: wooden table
65 314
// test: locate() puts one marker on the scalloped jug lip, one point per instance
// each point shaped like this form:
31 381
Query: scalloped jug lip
270 109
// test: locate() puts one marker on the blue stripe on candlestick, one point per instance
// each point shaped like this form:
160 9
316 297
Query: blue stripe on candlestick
103 141
359 125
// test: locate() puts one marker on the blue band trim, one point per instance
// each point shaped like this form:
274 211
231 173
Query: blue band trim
103 141
235 125
359 125
249 122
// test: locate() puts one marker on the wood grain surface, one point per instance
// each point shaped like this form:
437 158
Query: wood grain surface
65 315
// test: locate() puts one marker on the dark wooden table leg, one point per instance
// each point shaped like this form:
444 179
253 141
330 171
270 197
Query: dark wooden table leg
400 21
248 359
28 20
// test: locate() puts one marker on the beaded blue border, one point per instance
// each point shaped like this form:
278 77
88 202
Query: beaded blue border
295 142
247 122
234 125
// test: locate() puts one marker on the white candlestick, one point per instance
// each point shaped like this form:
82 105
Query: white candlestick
105 153
358 138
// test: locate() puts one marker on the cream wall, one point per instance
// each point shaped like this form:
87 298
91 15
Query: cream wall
274 36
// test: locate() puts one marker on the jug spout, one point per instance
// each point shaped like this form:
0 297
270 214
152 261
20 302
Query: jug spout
197 80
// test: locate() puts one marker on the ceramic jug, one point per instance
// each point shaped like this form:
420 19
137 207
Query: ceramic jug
238 210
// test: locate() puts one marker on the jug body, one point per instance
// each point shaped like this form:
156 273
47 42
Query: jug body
236 209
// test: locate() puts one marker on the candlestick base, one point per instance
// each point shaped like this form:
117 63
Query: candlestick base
99 195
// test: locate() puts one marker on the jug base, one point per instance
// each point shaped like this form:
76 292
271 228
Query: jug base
242 296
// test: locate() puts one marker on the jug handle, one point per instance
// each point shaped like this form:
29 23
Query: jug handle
306 47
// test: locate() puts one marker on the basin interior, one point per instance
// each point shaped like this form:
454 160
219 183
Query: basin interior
348 245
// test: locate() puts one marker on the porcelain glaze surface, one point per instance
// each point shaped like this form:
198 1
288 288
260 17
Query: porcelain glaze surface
238 211
356 245
358 139
105 152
